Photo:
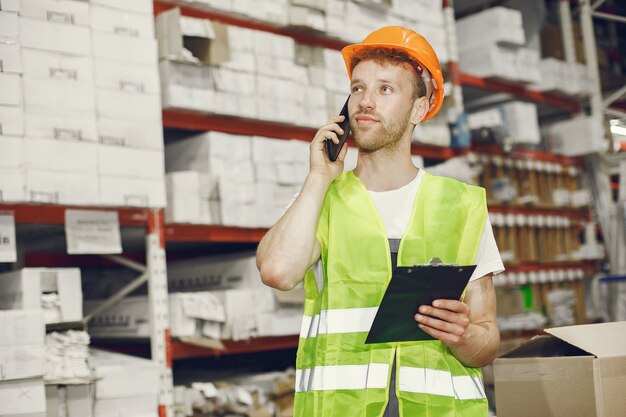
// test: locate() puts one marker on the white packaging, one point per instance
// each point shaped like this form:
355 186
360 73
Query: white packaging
522 122
58 11
139 406
579 135
131 192
183 197
123 105
10 90
123 376
129 78
282 322
23 289
493 25
23 397
12 185
50 36
138 6
136 51
53 65
59 94
61 187
256 300
22 326
214 272
491 61
70 400
9 25
130 163
139 134
21 361
10 5
122 22
11 152
60 155
10 58
304 16
51 123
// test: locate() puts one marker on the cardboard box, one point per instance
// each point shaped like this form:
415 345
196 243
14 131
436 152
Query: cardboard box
494 25
138 6
132 133
59 11
60 155
23 289
10 58
53 65
124 105
129 78
207 41
10 89
136 51
23 397
183 197
577 136
11 152
22 361
23 326
51 123
50 36
140 406
491 61
575 371
122 22
12 185
131 192
10 5
60 94
130 163
61 187
9 25
123 376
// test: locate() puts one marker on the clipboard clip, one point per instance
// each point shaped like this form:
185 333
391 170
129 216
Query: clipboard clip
438 262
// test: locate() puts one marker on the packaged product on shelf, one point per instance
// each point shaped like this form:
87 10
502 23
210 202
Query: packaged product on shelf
137 6
11 121
576 136
496 25
66 12
11 90
61 187
11 57
122 22
22 351
306 17
55 291
67 357
9 24
56 37
14 402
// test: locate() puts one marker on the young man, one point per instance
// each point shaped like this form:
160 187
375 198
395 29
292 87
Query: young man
347 232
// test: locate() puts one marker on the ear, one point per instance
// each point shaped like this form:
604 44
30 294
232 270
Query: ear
420 109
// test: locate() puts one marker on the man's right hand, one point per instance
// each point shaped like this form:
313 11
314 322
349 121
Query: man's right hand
319 160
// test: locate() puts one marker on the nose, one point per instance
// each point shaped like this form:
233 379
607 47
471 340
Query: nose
366 101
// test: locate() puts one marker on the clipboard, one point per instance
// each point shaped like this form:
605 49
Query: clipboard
409 288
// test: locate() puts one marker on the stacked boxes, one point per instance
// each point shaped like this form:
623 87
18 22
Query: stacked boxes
519 119
22 391
579 135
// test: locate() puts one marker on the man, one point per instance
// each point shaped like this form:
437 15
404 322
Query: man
346 232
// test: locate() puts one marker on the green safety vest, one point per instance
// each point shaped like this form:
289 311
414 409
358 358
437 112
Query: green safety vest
337 374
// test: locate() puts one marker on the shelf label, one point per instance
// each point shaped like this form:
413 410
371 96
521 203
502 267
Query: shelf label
92 232
8 253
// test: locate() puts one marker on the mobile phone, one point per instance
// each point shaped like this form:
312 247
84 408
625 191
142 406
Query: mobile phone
332 149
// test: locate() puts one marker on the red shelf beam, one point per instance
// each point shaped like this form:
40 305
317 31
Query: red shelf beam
302 35
579 214
182 350
501 86
55 214
211 233
493 149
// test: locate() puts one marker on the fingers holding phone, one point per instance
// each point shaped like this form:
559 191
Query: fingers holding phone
319 159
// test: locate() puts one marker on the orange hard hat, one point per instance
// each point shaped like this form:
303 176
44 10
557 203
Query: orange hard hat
416 47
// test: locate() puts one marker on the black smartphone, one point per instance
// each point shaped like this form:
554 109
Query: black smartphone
333 150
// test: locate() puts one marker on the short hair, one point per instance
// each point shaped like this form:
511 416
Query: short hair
392 56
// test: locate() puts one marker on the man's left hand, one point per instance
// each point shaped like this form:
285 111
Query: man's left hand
445 320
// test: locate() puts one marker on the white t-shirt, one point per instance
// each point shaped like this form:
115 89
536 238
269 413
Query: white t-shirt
395 208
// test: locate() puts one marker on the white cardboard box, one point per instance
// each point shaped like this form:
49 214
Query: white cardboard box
124 77
53 65
23 326
126 105
122 22
9 25
61 155
59 94
23 397
139 6
123 376
133 133
132 192
183 197
11 152
10 89
12 185
50 36
130 163
10 58
61 187
10 5
59 11
50 123
136 51
139 406
22 361
494 25
23 289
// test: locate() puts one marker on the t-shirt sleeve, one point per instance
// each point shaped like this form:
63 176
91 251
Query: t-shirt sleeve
488 260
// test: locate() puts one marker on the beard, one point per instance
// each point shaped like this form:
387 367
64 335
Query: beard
386 134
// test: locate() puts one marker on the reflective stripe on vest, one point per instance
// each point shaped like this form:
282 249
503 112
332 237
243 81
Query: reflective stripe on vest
341 320
374 375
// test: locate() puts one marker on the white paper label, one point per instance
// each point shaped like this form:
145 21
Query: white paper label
92 232
8 252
